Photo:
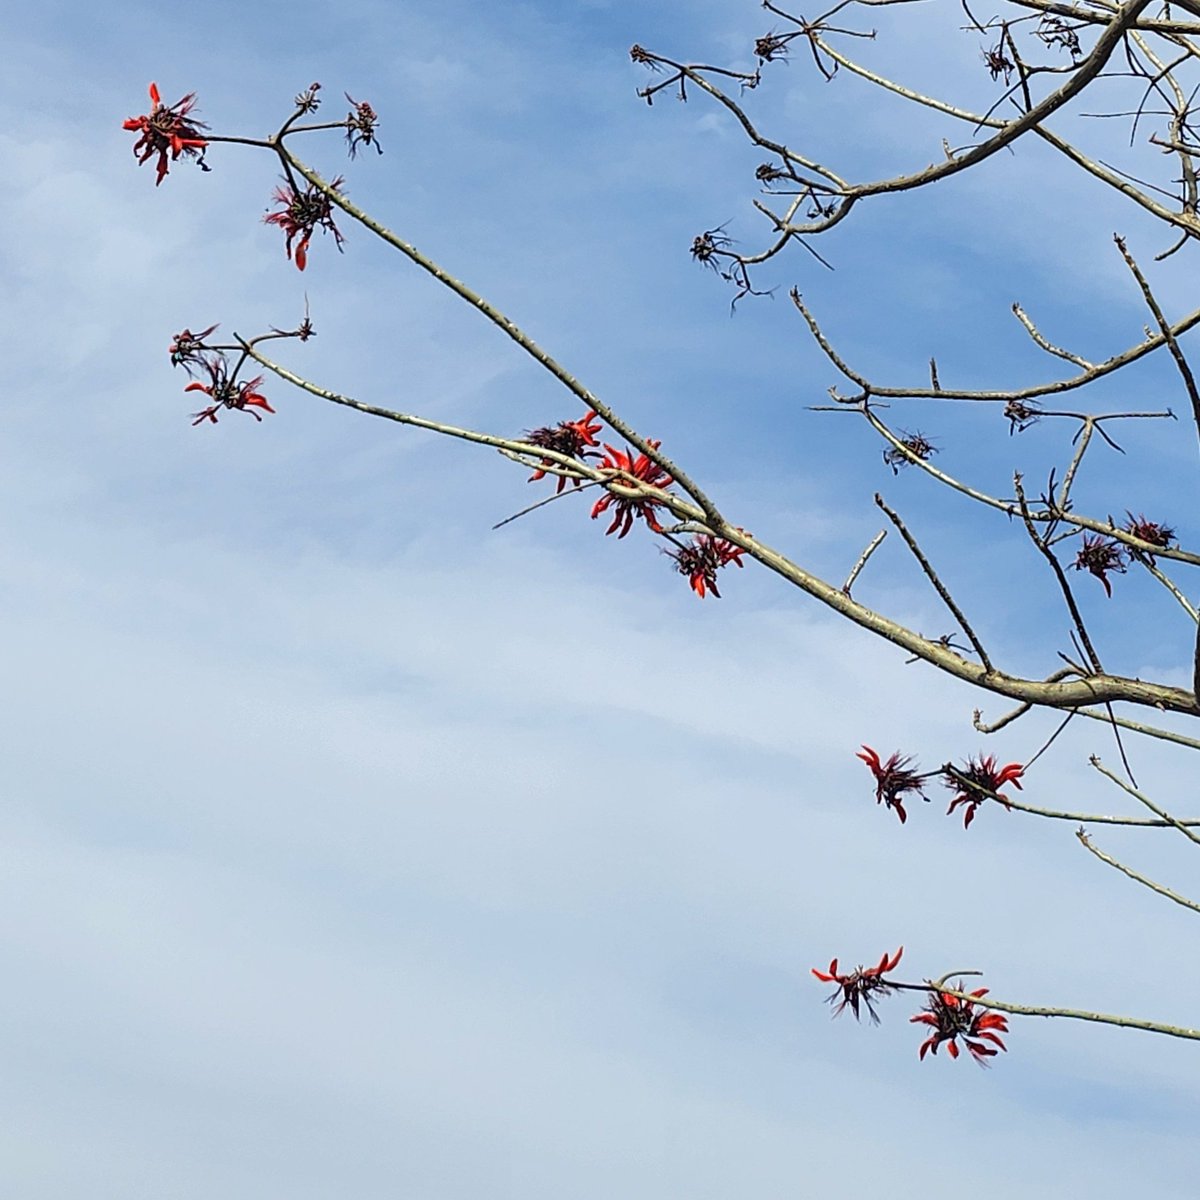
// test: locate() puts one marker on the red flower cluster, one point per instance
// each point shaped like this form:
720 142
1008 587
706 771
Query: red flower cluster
952 1018
1099 556
857 987
302 214
1153 532
168 131
983 773
567 437
644 471
225 392
893 780
702 558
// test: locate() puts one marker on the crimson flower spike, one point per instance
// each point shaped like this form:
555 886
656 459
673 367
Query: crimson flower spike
227 393
702 558
952 1018
893 780
1100 556
168 131
984 773
567 437
856 989
644 470
302 214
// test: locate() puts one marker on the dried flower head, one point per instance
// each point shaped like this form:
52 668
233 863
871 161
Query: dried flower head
168 131
952 1018
769 173
1100 555
702 558
893 780
302 214
1054 31
710 245
1020 416
361 124
187 349
976 780
998 62
858 988
773 46
915 446
308 100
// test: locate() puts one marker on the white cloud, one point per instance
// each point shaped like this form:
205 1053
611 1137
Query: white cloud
351 849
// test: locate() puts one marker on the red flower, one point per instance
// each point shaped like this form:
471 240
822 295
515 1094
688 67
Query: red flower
301 215
1153 532
168 131
857 987
567 437
646 472
702 558
982 773
1099 557
952 1018
227 393
893 779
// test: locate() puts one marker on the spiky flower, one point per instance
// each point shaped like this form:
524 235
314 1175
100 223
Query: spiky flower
952 1018
856 989
168 131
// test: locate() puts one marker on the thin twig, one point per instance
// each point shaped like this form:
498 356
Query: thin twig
874 545
1185 371
1086 842
932 576
1162 814
1059 574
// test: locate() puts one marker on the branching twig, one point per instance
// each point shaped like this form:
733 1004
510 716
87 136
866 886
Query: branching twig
1086 842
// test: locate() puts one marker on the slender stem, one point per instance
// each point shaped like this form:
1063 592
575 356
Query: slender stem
1185 370
1075 1014
874 545
508 326
1166 892
1162 814
932 576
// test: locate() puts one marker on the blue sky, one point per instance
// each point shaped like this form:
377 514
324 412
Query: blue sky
352 848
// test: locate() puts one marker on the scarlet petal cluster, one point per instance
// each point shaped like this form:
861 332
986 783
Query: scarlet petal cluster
983 773
227 393
644 471
952 1018
567 437
301 215
168 132
1154 532
893 780
856 988
1099 556
702 558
